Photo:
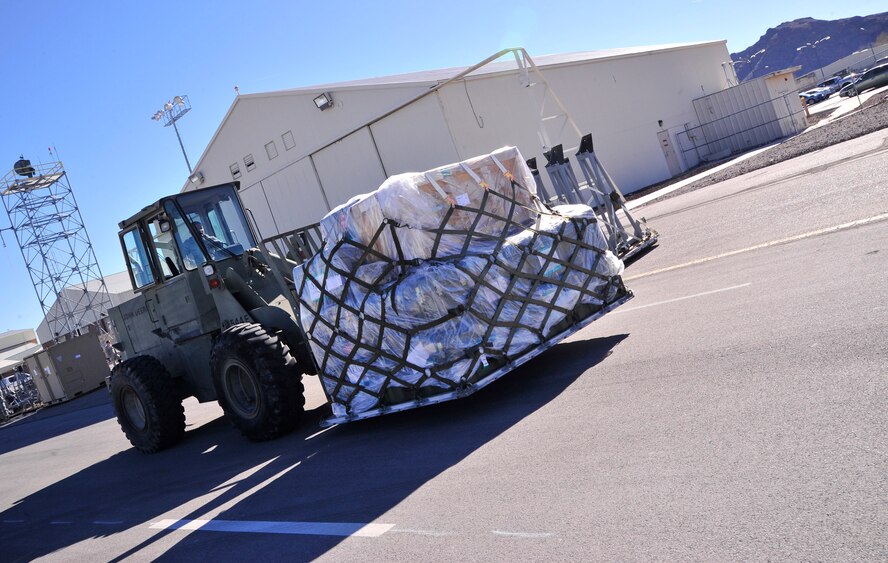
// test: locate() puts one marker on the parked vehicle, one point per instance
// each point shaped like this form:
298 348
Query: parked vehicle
848 89
815 95
849 78
873 78
833 84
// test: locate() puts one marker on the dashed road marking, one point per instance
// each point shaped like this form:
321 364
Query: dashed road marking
347 529
433 533
523 534
318 433
827 230
733 287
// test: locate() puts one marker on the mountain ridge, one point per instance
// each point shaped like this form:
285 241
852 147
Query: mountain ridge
778 47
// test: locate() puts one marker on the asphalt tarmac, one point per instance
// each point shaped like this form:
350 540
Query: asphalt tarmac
735 409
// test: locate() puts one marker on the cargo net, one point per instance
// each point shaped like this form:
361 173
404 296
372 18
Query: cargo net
438 279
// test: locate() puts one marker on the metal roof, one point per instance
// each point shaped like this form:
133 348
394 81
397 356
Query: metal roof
433 77
14 356
16 332
438 75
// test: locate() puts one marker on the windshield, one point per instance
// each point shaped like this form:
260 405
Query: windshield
216 218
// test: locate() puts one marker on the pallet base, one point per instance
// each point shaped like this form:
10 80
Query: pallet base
465 392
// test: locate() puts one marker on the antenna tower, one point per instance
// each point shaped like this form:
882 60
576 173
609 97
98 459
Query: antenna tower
50 232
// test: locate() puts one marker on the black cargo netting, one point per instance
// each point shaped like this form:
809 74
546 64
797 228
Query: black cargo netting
415 311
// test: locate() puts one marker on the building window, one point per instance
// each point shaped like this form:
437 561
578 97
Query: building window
289 142
249 163
235 171
271 150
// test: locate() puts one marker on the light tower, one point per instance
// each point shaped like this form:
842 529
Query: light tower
171 113
49 230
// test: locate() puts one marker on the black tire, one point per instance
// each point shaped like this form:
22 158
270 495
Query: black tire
148 404
258 383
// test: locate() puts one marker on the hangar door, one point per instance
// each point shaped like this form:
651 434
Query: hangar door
258 209
415 138
349 167
289 199
294 196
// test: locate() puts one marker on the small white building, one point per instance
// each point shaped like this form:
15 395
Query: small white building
296 159
748 115
119 289
15 346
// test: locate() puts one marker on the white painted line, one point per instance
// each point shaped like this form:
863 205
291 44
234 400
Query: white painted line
523 534
346 529
316 434
827 230
432 533
208 450
618 311
13 521
108 522
61 522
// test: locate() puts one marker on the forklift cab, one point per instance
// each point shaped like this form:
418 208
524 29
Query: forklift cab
184 232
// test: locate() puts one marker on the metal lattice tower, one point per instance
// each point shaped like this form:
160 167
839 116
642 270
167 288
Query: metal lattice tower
50 232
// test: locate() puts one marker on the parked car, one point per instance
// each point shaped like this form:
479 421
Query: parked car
815 95
850 78
848 89
833 84
873 78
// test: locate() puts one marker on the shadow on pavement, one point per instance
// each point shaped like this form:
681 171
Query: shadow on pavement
636 257
352 473
55 420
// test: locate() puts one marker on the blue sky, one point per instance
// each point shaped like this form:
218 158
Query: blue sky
86 76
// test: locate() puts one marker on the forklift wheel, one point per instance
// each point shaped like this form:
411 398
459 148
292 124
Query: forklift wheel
147 405
258 383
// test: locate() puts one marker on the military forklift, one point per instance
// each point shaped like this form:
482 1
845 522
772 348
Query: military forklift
216 317
212 318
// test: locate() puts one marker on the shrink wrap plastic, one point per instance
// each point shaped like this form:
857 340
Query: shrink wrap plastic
426 282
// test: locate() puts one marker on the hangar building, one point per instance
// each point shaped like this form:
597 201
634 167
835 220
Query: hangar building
299 153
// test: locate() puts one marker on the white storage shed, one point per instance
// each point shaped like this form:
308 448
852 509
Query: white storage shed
298 153
117 285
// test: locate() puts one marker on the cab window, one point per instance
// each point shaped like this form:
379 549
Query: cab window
137 258
192 254
221 218
167 253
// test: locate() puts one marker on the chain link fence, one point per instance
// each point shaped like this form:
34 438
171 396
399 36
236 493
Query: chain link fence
742 129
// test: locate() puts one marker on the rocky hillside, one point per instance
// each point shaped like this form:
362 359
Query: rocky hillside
776 49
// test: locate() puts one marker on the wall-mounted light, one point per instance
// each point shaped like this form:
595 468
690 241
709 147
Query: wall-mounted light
197 177
323 101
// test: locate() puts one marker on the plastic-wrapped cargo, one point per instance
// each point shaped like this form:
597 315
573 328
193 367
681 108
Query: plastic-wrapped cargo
433 280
